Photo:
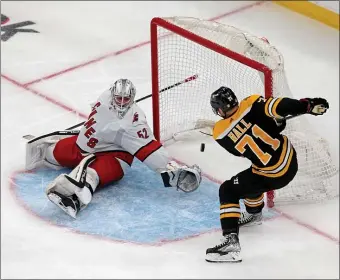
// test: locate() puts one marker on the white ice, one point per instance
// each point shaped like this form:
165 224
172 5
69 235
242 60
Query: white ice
75 32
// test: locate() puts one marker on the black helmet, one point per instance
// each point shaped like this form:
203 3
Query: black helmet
223 98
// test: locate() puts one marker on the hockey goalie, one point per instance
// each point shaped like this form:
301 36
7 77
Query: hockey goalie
103 150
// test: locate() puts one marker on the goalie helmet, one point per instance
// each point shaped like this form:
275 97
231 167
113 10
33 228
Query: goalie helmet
223 98
123 94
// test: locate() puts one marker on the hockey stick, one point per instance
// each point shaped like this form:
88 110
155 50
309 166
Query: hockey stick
286 118
191 78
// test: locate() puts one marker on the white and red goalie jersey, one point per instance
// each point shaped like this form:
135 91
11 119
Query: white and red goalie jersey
104 131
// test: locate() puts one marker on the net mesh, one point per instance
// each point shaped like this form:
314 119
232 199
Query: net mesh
179 58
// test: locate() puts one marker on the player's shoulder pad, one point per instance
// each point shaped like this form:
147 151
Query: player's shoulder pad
104 98
138 115
251 99
220 126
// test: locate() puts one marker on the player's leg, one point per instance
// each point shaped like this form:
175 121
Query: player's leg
65 153
230 193
108 168
40 150
73 192
254 204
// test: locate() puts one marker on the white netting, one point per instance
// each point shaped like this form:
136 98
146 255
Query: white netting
181 106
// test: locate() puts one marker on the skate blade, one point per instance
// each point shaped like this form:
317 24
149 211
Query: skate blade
57 201
232 257
251 224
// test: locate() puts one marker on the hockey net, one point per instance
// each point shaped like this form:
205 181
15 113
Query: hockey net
216 54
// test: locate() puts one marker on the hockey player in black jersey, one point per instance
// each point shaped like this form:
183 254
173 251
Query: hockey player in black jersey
252 129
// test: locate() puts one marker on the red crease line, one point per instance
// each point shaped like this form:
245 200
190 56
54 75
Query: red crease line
116 53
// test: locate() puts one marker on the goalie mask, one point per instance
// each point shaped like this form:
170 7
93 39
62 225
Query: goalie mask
225 100
123 94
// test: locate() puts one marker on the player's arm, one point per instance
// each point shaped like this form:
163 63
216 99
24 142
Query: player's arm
279 108
139 141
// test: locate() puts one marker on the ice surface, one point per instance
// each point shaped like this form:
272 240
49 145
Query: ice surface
72 33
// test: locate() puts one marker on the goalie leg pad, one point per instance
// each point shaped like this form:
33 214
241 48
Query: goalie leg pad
36 149
69 204
69 190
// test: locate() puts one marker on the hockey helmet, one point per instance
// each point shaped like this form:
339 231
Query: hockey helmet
223 98
123 94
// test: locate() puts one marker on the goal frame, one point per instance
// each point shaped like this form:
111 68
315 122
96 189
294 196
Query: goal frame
159 22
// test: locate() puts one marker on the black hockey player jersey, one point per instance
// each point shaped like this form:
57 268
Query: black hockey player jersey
253 133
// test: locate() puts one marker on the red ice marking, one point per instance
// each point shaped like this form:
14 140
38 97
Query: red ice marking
86 63
116 53
12 187
58 103
307 226
283 214
47 98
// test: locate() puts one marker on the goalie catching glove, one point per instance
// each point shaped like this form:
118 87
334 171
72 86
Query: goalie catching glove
183 177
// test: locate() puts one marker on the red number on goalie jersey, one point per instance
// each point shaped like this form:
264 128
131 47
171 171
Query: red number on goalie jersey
92 142
90 130
143 133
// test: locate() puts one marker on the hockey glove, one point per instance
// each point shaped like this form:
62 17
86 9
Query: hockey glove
184 178
316 106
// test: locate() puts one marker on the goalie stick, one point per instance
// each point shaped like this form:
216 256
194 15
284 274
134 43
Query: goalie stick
191 78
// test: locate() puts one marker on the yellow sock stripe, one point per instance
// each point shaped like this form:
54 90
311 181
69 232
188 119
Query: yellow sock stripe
255 199
253 205
223 206
230 215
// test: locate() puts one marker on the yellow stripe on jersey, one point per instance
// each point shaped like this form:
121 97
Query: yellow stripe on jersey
281 159
270 107
266 111
277 101
223 127
279 173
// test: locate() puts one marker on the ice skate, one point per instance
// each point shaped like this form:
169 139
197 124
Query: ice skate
228 251
248 220
69 204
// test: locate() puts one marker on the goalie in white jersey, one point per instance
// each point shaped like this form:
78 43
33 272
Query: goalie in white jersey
116 131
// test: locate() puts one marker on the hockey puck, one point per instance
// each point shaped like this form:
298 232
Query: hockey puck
202 147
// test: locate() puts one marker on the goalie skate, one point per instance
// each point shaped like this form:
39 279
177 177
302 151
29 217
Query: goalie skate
70 205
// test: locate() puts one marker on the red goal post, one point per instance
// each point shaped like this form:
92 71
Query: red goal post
155 23
218 55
